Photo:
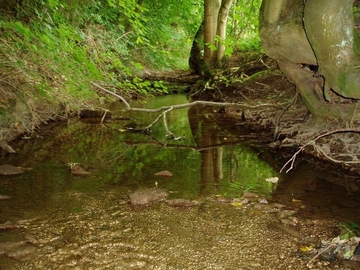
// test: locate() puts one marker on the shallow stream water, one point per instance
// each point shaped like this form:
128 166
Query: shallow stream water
63 221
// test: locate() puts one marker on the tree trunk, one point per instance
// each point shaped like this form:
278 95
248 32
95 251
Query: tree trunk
316 55
329 25
214 33
211 11
221 30
196 58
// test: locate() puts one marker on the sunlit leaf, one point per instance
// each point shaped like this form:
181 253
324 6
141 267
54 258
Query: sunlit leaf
306 248
236 204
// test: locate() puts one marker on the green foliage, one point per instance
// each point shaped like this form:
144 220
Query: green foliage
243 25
349 230
137 84
212 46
228 43
57 48
171 26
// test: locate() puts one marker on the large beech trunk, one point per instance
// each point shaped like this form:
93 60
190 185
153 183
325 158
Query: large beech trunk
315 45
329 25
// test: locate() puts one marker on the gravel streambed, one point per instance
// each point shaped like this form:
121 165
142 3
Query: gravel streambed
79 231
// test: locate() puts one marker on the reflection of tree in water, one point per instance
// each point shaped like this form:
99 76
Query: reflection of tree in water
206 136
232 161
244 168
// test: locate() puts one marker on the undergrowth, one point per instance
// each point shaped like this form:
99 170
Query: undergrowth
51 52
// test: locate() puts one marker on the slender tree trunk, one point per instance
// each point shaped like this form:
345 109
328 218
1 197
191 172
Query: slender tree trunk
218 163
221 30
211 11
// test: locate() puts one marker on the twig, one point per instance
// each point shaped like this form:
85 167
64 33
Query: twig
103 117
8 227
321 252
115 95
292 159
353 115
123 35
172 136
277 123
158 118
318 148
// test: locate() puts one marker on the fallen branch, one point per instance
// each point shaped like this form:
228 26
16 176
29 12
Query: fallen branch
163 115
188 105
318 254
166 109
293 158
172 136
112 93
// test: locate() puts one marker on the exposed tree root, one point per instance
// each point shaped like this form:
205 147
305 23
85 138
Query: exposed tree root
320 150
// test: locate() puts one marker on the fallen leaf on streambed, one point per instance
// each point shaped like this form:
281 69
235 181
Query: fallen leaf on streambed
237 204
306 248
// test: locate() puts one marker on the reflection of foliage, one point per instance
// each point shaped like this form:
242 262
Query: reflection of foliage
130 160
251 171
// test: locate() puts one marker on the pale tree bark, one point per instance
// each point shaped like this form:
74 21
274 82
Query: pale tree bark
335 44
316 45
211 11
221 30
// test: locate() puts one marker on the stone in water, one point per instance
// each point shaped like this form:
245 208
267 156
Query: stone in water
181 203
10 170
147 196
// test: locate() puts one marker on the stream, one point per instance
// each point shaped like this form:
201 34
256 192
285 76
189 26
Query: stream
246 215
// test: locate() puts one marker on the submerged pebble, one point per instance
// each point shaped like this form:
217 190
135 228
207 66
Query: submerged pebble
147 196
20 251
181 203
10 170
4 197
